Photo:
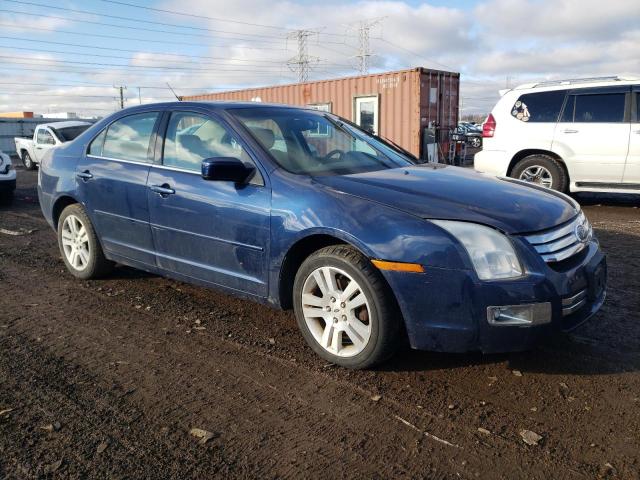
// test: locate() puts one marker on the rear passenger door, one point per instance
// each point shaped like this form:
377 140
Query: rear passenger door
112 182
592 136
632 168
214 231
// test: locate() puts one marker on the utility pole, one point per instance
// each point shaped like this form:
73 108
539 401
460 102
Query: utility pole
301 62
121 88
363 28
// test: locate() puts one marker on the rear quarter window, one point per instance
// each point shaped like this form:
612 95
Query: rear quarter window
538 107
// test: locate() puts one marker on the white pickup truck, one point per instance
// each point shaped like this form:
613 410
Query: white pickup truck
45 137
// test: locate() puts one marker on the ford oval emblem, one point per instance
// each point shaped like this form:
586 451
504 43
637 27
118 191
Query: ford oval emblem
582 234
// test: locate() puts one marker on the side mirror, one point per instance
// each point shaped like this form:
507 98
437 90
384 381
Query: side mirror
226 169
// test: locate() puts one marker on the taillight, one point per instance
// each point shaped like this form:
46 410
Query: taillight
489 127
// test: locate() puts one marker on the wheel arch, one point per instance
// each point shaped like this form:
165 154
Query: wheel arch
59 205
294 257
522 154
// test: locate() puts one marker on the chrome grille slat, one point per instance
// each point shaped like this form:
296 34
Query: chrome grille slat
560 243
573 304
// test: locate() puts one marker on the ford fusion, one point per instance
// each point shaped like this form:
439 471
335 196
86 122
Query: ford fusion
301 209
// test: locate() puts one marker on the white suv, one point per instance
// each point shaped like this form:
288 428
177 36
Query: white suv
569 135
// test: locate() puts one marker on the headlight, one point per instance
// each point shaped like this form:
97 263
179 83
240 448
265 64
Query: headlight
491 253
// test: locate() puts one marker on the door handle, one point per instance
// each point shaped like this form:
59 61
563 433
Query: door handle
86 175
636 132
38 148
162 190
568 130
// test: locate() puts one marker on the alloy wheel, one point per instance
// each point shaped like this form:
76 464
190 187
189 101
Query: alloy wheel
538 175
75 243
336 311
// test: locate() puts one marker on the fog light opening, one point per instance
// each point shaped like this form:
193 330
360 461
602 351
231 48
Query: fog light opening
519 315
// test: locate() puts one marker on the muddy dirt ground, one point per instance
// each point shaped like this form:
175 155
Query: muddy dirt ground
105 379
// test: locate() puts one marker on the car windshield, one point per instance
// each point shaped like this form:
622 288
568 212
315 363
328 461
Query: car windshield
67 134
315 143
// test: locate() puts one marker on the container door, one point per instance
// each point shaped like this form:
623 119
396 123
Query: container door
367 113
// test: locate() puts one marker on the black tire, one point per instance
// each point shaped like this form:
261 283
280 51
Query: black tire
27 161
97 265
559 179
386 321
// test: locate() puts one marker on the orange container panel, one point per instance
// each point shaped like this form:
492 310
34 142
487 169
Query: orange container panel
407 100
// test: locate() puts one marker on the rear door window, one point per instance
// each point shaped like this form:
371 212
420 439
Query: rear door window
129 137
192 138
539 107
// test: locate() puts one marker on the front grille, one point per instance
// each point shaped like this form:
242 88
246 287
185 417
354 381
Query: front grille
563 242
574 303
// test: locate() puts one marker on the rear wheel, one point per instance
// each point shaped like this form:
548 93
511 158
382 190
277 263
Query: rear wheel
79 246
542 170
28 163
344 308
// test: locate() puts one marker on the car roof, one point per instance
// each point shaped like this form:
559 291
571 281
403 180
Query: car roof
575 83
69 123
216 104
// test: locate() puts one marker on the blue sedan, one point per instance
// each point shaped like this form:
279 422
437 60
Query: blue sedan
302 209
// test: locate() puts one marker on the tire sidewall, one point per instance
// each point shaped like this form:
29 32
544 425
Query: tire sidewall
27 161
362 359
80 213
558 177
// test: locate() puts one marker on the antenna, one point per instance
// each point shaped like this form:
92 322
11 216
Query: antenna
174 93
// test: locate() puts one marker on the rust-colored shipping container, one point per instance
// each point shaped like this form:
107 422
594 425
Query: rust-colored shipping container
396 105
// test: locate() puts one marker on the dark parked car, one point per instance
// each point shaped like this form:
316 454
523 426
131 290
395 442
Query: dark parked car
299 208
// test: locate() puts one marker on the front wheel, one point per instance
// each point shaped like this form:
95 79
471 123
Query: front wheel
28 163
79 246
542 170
344 308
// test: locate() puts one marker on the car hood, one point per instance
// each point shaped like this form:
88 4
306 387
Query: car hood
443 192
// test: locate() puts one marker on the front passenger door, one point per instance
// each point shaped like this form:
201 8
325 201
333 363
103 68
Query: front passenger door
213 231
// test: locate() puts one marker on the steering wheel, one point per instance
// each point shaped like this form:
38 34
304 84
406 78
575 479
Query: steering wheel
338 152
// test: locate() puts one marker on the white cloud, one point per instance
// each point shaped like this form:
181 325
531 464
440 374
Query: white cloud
522 40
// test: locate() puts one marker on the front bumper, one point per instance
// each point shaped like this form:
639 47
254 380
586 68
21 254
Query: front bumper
449 314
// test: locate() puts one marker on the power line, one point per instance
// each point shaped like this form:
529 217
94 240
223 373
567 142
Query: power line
119 65
235 59
415 54
139 20
188 60
104 85
118 37
130 27
192 15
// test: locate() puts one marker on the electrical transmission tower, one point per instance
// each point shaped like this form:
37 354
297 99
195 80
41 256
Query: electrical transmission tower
301 63
364 45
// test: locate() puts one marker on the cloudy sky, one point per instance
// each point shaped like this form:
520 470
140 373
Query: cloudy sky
70 54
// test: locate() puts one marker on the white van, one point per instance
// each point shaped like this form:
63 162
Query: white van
569 135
